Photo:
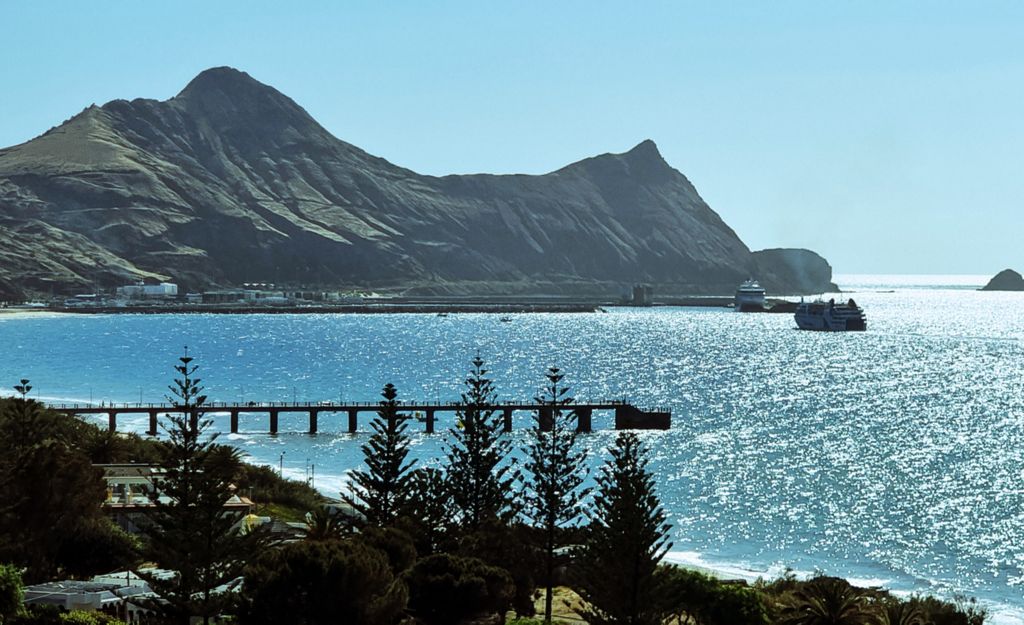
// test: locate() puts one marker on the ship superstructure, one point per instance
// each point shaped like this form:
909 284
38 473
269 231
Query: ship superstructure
830 316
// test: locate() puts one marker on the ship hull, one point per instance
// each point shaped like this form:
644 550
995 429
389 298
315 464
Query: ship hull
821 317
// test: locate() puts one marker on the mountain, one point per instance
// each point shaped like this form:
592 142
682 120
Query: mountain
1005 280
230 181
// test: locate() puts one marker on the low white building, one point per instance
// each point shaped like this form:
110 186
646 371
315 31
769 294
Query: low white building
164 290
116 594
111 594
159 291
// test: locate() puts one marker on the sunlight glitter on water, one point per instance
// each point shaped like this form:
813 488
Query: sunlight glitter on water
894 454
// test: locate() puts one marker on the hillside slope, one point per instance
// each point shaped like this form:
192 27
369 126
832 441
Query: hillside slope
231 181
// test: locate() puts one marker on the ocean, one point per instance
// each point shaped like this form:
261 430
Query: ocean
893 457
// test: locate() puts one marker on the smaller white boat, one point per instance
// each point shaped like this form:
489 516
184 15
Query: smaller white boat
750 297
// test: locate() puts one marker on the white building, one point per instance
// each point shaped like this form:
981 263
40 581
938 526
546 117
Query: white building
111 594
159 291
164 290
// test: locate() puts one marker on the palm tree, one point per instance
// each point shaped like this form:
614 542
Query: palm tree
902 613
829 601
325 524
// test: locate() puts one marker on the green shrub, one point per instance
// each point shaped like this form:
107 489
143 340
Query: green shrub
316 582
11 592
445 589
707 600
78 617
264 485
961 611
395 544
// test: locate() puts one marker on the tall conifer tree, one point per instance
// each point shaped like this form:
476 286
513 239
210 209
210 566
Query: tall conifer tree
478 475
625 541
556 469
189 533
45 481
379 491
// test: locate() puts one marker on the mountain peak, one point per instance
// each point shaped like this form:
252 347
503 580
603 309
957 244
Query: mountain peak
645 147
222 79
228 97
646 153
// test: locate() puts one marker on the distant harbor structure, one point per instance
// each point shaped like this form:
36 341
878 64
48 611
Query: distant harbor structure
643 295
627 416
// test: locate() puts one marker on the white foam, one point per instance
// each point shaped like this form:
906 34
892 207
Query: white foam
742 571
999 615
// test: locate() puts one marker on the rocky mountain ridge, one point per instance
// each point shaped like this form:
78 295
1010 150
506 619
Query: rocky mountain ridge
230 181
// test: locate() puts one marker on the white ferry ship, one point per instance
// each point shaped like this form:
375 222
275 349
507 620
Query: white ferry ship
750 297
830 316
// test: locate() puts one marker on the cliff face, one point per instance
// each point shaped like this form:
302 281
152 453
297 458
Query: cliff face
231 181
802 271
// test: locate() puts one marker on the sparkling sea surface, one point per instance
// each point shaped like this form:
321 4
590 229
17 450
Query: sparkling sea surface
893 457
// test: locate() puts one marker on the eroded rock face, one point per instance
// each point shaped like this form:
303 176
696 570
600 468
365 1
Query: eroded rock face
231 181
794 272
1005 280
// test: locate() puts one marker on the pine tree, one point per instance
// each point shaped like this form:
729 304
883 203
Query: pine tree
557 469
478 475
379 492
626 539
425 513
189 533
46 481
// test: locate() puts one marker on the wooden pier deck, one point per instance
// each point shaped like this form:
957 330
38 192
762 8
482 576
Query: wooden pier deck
627 416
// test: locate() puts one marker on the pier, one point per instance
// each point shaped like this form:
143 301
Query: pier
627 416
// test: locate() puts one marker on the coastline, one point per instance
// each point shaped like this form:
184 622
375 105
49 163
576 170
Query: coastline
775 305
24 313
730 565
389 308
999 613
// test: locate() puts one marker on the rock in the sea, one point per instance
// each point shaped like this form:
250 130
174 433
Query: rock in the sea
794 272
1005 280
231 181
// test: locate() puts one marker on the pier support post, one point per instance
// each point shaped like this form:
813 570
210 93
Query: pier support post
313 421
152 423
234 422
506 420
621 415
112 420
273 421
353 419
547 418
430 420
583 419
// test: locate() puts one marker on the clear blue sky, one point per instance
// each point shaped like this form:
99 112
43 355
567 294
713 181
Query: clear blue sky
887 136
